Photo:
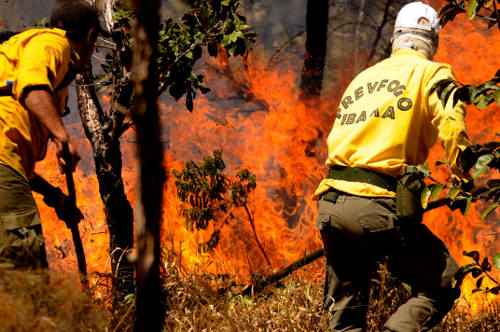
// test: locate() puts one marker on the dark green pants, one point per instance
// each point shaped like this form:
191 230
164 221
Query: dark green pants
357 233
21 239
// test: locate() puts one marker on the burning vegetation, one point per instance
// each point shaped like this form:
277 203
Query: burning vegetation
232 217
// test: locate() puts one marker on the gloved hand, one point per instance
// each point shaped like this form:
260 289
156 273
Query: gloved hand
65 208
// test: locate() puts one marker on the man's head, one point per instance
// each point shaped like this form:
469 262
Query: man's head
417 27
80 20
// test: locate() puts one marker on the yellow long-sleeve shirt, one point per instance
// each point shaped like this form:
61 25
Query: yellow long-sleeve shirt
34 58
389 117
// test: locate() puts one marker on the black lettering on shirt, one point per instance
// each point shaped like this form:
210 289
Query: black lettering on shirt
393 86
372 87
350 118
399 91
347 101
375 114
389 113
405 104
344 117
361 117
382 84
358 93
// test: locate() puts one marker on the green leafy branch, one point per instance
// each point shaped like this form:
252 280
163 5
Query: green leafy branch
484 9
478 160
209 196
481 95
212 25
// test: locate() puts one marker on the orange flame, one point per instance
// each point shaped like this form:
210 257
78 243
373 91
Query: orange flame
282 141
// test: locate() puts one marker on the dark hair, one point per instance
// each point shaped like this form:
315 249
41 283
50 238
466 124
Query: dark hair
76 17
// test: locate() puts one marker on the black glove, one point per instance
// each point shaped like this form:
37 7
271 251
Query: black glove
65 208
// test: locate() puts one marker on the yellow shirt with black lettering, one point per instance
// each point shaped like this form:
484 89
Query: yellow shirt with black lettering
33 58
390 116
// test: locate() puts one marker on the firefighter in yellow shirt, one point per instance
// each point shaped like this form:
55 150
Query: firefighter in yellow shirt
387 120
36 66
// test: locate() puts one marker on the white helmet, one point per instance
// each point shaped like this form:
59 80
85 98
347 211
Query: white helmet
418 15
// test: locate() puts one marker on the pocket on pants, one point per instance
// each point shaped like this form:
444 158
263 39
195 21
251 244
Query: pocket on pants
375 217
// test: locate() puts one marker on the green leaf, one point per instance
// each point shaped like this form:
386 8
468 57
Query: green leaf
484 160
436 189
424 198
489 210
496 95
129 298
472 9
496 260
453 193
481 166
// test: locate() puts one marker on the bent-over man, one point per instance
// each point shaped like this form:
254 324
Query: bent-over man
388 119
36 66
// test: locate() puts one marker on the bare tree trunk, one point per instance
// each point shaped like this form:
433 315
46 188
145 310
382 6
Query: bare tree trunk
150 310
108 163
316 41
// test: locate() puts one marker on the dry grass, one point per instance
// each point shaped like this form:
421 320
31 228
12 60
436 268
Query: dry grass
37 302
34 302
196 305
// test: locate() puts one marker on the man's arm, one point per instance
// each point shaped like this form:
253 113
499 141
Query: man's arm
44 62
42 105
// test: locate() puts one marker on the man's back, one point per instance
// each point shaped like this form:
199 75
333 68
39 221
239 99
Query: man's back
387 119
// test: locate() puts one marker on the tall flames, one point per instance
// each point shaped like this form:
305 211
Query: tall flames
255 117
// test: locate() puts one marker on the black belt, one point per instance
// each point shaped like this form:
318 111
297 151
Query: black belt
363 175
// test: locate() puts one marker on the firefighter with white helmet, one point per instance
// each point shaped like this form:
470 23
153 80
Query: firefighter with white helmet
389 117
417 27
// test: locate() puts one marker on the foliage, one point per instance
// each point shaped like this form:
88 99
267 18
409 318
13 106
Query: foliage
210 197
484 94
481 271
484 9
215 25
479 160
481 95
